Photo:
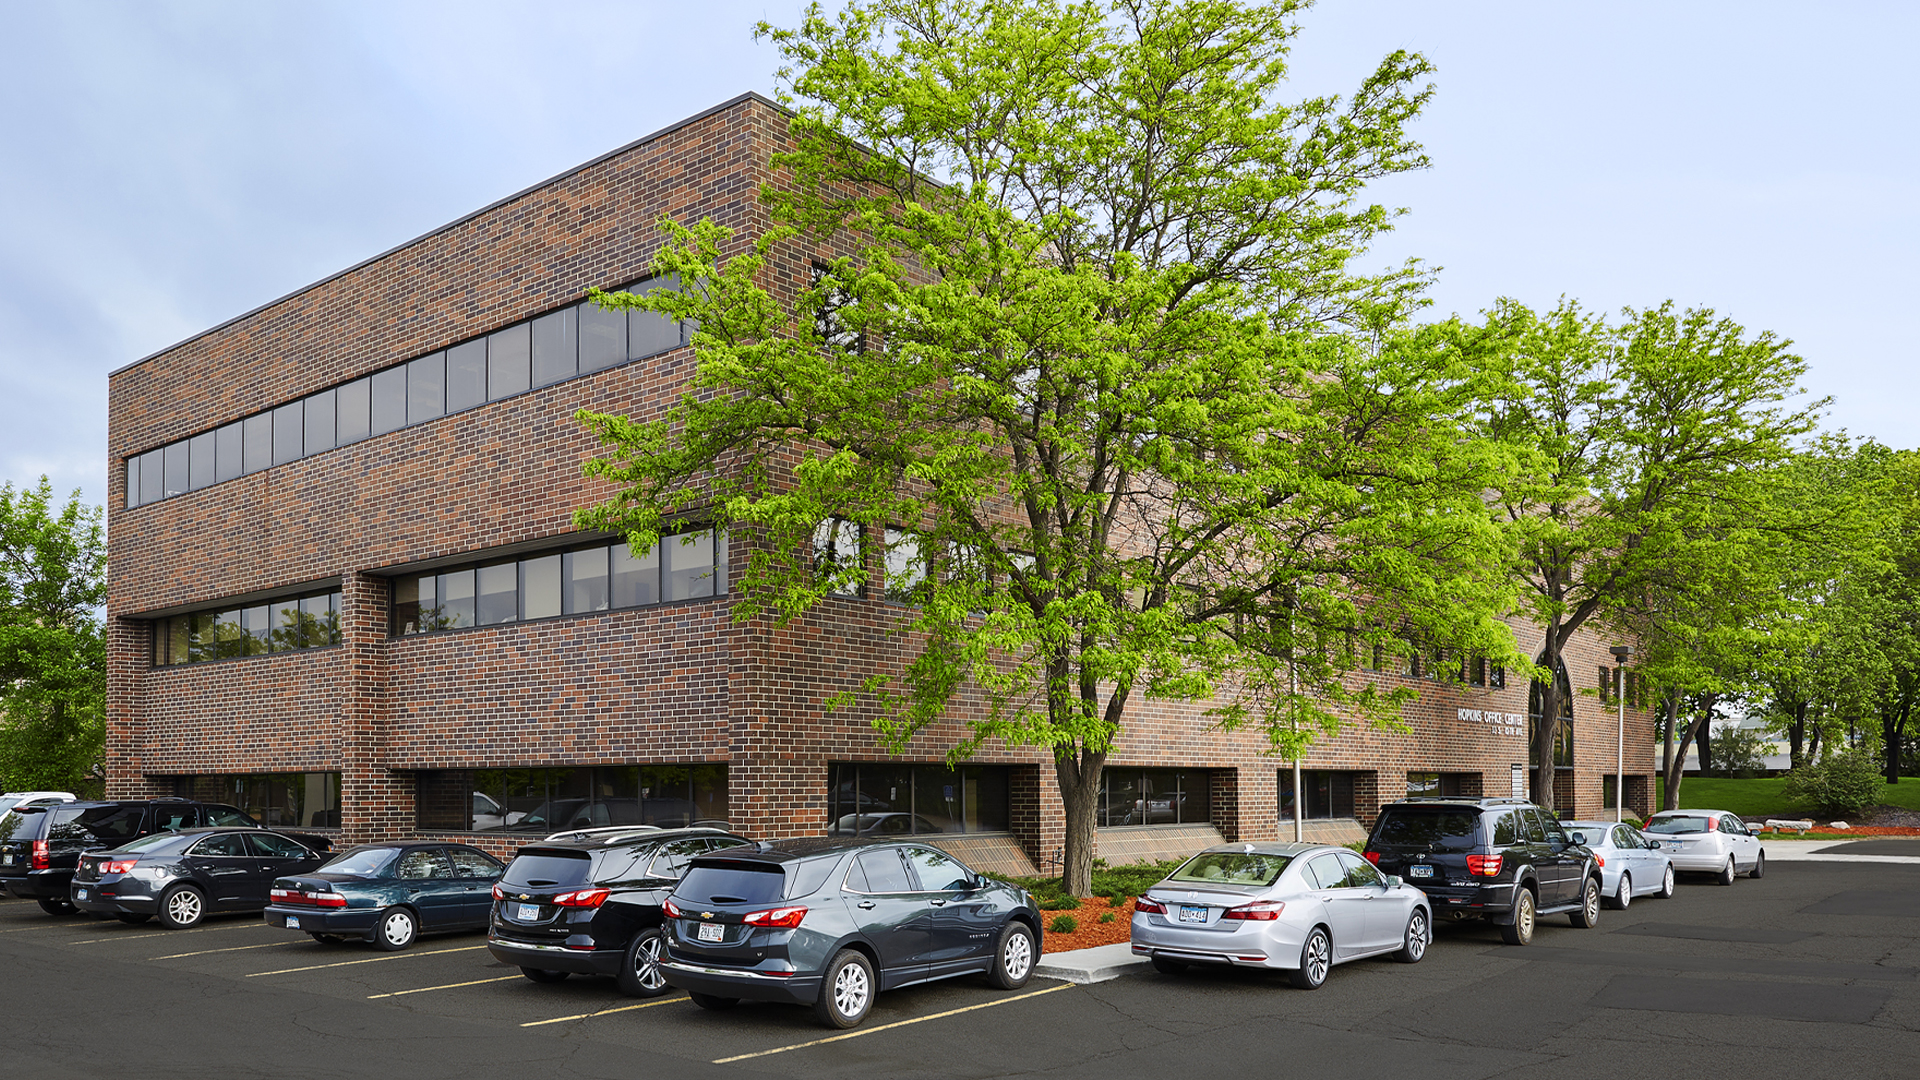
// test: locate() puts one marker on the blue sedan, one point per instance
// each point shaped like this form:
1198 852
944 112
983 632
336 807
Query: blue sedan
1631 863
389 894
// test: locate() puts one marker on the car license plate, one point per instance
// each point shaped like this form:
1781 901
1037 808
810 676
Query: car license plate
710 931
1193 913
1419 871
293 922
1674 846
79 894
6 860
528 913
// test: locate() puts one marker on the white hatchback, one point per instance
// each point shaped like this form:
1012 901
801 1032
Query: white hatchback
1710 841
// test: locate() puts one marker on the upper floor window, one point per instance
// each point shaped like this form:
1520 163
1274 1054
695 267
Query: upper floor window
300 621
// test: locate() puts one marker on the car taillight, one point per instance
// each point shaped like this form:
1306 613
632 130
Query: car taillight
1151 907
1713 823
38 860
1372 857
672 909
1599 861
1484 865
317 899
582 898
1260 911
118 866
499 893
780 918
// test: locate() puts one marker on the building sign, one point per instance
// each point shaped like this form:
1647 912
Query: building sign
1502 723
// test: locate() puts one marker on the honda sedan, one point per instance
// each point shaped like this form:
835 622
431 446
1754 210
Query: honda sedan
1631 864
1709 841
389 894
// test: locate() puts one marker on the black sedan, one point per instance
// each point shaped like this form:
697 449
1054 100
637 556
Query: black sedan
183 877
389 894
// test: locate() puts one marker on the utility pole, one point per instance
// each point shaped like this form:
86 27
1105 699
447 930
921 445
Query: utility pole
1620 655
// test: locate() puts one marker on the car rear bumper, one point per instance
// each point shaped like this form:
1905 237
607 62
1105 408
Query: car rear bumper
107 900
1248 944
556 957
313 920
40 884
740 982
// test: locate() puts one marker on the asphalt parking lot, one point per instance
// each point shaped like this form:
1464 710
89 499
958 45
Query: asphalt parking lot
1811 971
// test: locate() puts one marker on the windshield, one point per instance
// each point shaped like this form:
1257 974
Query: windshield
733 883
1683 823
361 862
159 843
1431 830
1232 868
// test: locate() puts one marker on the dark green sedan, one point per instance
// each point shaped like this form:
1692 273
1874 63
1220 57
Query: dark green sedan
389 894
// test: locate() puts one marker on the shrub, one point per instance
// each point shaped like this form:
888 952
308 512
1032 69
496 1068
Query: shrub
1843 784
1063 924
1740 750
1106 917
1059 903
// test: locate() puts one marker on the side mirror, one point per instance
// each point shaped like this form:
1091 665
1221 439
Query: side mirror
1393 881
1580 838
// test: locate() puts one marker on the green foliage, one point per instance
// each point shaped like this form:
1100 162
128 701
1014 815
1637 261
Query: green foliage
1842 784
1118 883
1063 924
1739 749
1059 903
52 648
1106 917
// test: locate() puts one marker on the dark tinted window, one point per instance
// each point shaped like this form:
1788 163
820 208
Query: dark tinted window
169 816
472 863
670 859
884 871
1360 874
158 843
1506 830
95 824
735 883
275 846
1436 828
422 864
1536 830
937 871
548 869
224 845
22 825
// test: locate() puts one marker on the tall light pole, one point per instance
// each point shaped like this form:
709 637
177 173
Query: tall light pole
1620 654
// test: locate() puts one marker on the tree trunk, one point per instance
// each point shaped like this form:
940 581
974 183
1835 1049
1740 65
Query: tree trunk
1077 771
1548 725
1670 706
1705 739
1796 734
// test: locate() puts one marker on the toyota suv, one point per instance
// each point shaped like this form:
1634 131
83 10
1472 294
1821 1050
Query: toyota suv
1503 860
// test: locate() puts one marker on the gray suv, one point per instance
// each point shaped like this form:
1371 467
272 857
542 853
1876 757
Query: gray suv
831 922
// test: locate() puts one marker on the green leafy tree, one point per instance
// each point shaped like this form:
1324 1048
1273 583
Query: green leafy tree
52 651
1133 428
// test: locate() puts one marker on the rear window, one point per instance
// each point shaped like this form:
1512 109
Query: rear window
159 843
1681 824
732 883
1435 829
22 824
109 825
360 862
1232 868
546 869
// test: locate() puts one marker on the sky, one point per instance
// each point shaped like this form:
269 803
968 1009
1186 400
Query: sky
167 166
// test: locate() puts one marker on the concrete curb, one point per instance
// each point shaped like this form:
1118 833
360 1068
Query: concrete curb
1098 964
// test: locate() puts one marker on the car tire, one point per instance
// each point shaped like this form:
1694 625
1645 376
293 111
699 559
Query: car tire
1168 967
1520 930
1667 884
182 907
1013 957
1587 915
640 974
1623 895
134 920
709 1001
846 991
1413 946
1728 873
540 975
1759 866
1316 959
396 929
326 939
54 906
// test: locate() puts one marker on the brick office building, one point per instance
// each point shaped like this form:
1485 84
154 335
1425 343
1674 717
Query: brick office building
346 590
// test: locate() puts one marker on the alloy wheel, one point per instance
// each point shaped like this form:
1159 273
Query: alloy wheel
1624 895
1016 958
851 990
184 907
646 964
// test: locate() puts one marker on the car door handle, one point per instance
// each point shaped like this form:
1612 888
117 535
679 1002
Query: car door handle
938 903
864 905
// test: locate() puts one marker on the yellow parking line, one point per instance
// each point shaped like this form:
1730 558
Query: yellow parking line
449 986
372 960
42 926
173 933
884 1027
604 1012
236 948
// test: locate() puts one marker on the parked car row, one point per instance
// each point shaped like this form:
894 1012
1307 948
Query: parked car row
832 922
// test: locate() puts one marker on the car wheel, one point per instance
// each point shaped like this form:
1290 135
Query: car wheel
1168 967
1759 865
134 920
1520 930
1587 915
396 929
1727 872
1413 947
709 1001
1012 957
1667 886
1316 959
1623 896
540 976
640 974
53 906
846 993
183 907
327 939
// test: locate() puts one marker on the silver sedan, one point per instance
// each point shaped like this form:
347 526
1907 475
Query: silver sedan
1710 841
1299 908
1631 864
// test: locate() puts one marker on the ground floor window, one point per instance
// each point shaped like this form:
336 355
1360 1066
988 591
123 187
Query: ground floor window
1329 794
868 799
1443 783
1154 797
276 800
542 800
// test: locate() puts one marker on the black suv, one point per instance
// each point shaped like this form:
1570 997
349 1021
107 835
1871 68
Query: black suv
40 846
593 906
1504 860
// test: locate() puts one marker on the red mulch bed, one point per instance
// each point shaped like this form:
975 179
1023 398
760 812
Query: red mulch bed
1091 931
1862 830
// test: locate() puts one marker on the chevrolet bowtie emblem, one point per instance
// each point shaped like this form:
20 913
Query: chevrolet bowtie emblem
706 914
524 896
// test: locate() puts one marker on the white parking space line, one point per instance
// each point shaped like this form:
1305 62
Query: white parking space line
449 986
173 933
236 948
603 1012
885 1027
43 926
371 960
